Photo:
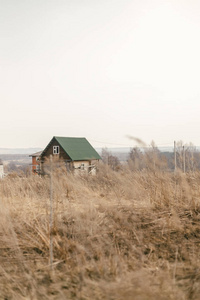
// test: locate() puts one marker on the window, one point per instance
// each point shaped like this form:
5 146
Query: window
82 166
55 149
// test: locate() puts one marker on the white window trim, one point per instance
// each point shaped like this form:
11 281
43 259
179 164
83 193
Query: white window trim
56 149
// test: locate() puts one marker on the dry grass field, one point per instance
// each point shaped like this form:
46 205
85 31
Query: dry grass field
118 235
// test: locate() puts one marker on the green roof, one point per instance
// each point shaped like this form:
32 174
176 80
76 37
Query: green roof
77 148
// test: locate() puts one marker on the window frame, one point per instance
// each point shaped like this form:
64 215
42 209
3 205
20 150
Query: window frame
56 150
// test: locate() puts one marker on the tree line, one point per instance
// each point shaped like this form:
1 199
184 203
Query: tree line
187 158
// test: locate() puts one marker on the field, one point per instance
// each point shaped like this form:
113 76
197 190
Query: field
118 235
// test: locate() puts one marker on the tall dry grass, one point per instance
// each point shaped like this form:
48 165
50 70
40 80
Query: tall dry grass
118 235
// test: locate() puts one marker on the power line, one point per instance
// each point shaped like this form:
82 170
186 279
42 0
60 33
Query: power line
110 143
116 144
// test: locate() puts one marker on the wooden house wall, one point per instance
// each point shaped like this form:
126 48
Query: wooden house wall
1 171
49 151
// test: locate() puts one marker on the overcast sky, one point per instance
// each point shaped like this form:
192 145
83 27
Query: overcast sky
100 69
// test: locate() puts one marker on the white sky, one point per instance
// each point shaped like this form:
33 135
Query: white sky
100 69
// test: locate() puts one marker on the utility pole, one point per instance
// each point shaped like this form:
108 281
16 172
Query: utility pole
192 158
183 159
175 156
51 215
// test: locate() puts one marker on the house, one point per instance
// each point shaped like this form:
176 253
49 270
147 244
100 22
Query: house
35 162
77 153
1 170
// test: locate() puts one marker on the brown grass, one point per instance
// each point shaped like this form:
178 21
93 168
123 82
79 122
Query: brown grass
117 235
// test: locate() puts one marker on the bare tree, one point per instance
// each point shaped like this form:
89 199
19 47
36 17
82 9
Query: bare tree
188 157
110 160
136 159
